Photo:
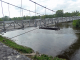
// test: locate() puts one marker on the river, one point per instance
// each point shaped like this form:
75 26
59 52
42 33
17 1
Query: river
64 43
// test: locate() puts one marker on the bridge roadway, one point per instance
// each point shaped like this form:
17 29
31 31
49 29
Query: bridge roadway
22 24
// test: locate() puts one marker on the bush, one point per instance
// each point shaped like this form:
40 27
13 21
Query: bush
76 23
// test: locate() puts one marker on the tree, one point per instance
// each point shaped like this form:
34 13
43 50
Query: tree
43 17
5 18
79 14
76 23
59 13
1 19
24 18
28 17
75 13
67 14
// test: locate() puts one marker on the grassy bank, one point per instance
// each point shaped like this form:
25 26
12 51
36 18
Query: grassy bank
23 49
46 57
15 46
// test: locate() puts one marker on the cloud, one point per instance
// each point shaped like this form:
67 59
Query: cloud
66 5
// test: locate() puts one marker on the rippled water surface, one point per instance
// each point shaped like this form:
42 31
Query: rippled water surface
64 43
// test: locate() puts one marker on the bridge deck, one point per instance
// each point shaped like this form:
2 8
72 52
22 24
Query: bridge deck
14 25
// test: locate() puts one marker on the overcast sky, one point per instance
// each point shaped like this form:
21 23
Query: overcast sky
66 5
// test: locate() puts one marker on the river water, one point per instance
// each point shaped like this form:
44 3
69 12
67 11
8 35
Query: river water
64 43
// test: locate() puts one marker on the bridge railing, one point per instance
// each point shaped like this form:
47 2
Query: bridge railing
21 24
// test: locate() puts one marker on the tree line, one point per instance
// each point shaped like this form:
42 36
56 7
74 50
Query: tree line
59 13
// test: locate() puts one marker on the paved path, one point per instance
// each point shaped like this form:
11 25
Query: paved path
7 53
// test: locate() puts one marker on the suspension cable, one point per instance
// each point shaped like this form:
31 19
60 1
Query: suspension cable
45 12
8 10
2 8
3 19
29 13
19 7
41 5
20 12
22 15
35 9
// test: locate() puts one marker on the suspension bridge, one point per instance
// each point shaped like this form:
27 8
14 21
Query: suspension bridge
14 25
22 24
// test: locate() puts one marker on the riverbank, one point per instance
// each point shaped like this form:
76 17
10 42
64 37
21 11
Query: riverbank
7 53
12 44
25 50
76 23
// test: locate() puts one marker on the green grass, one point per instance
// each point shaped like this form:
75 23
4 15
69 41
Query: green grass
76 23
15 46
46 57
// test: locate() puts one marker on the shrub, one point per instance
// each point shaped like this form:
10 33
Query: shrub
76 23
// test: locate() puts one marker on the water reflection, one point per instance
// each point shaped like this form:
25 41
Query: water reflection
73 52
62 43
65 25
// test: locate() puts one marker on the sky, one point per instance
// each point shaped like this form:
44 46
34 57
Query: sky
65 5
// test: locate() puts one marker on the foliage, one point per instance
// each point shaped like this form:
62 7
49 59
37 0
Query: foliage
59 13
76 13
13 45
1 19
67 14
5 18
46 57
79 14
76 23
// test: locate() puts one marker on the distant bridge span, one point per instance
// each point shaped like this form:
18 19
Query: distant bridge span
22 24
